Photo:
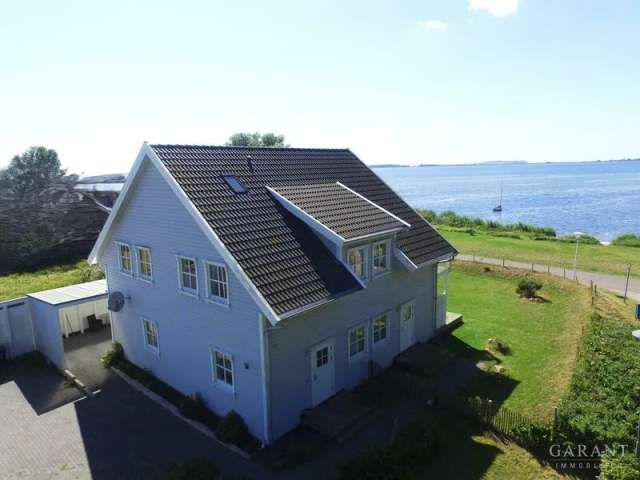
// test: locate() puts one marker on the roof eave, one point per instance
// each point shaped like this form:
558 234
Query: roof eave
147 152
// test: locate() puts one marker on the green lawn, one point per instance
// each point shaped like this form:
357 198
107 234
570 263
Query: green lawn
596 258
19 284
544 337
467 451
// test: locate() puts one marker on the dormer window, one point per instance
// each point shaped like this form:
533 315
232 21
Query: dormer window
357 260
234 184
381 257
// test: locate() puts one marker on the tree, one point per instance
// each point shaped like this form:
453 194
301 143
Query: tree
29 174
528 288
256 139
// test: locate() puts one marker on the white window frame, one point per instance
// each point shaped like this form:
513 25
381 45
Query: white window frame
366 261
142 276
121 269
147 346
408 303
181 288
214 371
214 298
387 325
362 354
387 244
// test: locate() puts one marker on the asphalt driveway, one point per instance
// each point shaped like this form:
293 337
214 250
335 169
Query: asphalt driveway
49 430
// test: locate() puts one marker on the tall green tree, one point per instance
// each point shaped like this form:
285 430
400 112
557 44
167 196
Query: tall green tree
29 174
256 139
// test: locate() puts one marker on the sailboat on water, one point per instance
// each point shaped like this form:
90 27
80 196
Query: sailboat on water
499 207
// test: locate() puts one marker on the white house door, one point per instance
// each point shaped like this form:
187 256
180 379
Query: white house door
407 325
322 372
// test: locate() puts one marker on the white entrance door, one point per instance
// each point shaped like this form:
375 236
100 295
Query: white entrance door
407 325
322 372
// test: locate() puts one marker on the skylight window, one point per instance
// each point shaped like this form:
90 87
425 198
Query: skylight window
234 184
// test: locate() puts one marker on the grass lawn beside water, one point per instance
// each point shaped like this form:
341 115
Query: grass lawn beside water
19 284
610 259
544 337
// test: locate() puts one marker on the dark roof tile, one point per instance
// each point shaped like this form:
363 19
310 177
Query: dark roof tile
284 259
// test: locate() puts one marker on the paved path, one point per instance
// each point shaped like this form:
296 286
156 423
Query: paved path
615 283
119 434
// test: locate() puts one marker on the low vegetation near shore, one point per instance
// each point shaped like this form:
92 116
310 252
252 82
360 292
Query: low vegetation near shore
533 244
628 240
18 284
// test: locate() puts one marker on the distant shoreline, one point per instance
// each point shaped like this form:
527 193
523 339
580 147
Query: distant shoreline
498 162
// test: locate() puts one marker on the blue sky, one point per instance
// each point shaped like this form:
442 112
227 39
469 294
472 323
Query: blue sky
450 81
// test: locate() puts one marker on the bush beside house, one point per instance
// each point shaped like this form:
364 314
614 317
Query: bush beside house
411 452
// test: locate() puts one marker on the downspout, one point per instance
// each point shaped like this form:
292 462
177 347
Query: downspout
266 380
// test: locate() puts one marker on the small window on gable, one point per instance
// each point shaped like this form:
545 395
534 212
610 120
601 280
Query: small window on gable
188 275
144 263
124 258
217 283
234 184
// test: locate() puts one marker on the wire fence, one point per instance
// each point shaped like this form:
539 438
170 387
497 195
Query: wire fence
625 285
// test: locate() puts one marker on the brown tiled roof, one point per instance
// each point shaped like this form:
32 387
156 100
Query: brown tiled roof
284 259
341 210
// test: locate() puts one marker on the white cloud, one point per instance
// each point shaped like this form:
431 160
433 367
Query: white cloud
433 24
497 8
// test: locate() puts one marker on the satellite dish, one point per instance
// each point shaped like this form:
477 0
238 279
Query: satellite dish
115 302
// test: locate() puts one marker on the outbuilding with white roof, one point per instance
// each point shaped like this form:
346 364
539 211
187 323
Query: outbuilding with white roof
61 312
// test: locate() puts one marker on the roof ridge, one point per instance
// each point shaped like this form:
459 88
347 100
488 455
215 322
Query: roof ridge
240 147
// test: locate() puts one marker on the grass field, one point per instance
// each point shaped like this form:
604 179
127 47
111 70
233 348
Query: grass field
611 259
543 337
468 452
19 284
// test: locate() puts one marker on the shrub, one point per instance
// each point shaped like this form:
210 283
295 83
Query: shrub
619 467
628 240
195 409
585 239
528 287
602 403
429 215
533 436
113 356
406 458
498 345
231 428
89 273
513 235
452 219
196 469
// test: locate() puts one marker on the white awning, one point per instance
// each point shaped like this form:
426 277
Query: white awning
72 293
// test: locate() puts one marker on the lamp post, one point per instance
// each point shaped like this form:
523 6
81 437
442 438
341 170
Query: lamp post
575 257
